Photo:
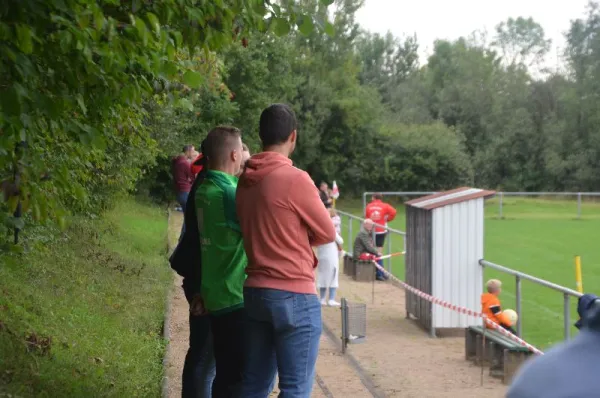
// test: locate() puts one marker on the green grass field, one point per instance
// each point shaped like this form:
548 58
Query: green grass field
82 316
538 237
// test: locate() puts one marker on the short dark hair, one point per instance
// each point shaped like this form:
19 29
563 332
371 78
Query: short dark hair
276 124
219 142
188 147
377 196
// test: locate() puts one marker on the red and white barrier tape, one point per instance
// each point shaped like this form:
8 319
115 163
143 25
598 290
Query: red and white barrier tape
389 255
462 310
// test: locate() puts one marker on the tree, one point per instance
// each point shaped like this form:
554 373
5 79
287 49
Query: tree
74 74
522 42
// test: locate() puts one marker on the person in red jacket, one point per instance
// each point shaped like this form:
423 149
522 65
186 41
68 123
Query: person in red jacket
380 212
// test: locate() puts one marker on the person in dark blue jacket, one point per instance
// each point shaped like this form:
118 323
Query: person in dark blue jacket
199 367
569 369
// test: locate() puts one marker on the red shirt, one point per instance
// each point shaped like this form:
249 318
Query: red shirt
380 213
182 174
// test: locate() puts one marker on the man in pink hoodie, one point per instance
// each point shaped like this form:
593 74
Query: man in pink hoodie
281 218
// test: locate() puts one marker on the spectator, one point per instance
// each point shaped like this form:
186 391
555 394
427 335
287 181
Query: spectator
328 269
363 245
182 176
199 366
325 195
490 305
380 212
337 221
281 217
197 164
223 257
569 370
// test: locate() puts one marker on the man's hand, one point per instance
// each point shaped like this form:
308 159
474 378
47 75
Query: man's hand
197 306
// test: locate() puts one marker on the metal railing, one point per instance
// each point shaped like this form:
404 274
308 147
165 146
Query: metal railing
500 195
520 276
351 236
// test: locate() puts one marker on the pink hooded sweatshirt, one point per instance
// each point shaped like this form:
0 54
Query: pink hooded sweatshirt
281 217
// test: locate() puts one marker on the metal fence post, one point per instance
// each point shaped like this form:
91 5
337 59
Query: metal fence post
389 251
519 307
501 198
350 221
344 311
364 208
578 204
567 316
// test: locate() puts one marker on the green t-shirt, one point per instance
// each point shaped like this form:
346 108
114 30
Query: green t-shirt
223 257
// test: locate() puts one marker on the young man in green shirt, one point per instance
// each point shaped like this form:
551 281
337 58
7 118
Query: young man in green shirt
223 257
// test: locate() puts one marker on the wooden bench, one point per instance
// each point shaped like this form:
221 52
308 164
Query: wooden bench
348 265
364 271
503 355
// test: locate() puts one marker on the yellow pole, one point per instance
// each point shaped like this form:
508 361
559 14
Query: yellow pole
578 278
333 204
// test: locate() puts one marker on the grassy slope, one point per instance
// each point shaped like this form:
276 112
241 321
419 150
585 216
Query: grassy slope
98 296
538 237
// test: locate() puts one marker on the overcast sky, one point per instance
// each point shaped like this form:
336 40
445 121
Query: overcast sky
446 19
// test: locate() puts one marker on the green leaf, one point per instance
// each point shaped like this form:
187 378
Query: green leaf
142 30
81 104
326 2
305 25
192 79
329 29
281 27
24 38
185 104
153 19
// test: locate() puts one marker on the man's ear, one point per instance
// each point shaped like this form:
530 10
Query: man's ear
293 136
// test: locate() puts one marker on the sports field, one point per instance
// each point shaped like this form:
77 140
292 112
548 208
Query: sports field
538 237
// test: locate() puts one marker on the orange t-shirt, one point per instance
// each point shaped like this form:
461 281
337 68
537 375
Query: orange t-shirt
490 306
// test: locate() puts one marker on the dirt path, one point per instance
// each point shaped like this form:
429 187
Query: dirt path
399 356
333 370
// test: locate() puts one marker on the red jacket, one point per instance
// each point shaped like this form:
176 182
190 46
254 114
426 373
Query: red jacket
197 165
380 212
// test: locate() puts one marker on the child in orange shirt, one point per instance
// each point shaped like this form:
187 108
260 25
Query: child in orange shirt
490 305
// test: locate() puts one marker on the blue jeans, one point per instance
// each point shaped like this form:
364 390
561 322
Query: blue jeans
199 367
379 273
182 198
282 334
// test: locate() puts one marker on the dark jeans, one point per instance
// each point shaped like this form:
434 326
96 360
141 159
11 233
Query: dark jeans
199 366
282 334
182 198
379 241
228 346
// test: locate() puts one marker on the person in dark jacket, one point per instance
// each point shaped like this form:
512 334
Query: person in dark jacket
199 367
570 369
364 248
